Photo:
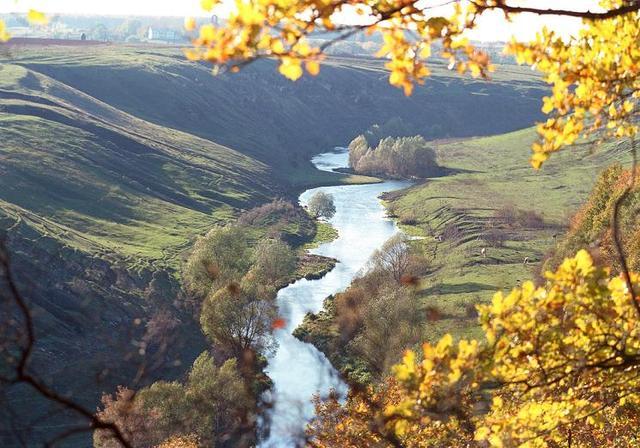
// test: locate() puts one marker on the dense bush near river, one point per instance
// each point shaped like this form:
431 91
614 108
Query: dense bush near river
402 157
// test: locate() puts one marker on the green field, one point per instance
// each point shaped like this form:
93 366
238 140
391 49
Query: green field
137 151
492 173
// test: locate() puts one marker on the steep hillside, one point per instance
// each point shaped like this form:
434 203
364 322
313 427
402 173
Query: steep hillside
260 113
96 207
123 182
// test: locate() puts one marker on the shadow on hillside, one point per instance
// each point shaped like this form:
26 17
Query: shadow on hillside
458 288
440 171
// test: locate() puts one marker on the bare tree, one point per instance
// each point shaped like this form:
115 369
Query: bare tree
393 257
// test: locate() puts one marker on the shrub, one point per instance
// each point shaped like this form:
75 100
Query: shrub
408 218
512 217
494 236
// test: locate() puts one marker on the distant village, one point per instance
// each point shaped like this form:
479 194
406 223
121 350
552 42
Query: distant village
157 30
170 31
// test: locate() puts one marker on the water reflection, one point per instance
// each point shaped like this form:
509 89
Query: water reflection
297 369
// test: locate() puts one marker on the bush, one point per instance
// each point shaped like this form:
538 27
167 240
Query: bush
452 232
512 217
210 405
269 213
408 218
391 323
396 157
471 311
494 236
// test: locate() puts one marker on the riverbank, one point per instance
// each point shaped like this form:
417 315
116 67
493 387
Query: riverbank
495 201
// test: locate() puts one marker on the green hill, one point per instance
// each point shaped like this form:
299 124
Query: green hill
485 226
260 113
498 202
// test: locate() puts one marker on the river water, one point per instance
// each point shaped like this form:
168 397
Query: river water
298 369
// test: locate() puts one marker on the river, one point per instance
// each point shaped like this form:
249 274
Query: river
298 369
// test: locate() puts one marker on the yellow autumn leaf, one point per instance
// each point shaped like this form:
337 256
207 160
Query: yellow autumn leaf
36 17
190 24
291 69
207 5
4 35
313 67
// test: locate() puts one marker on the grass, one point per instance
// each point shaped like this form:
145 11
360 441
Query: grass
325 233
140 150
147 204
493 172
281 123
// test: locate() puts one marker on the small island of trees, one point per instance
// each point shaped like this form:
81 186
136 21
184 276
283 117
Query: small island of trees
400 157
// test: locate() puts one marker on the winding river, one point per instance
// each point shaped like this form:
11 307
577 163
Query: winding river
298 369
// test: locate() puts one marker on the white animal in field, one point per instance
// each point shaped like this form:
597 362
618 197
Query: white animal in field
483 252
526 260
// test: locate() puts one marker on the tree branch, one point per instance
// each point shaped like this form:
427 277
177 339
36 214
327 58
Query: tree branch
615 228
632 6
21 371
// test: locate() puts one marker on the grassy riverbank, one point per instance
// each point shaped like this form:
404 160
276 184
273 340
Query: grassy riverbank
494 201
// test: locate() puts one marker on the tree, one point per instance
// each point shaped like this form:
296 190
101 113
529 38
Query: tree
393 257
222 255
591 226
274 261
238 320
130 28
321 205
595 75
391 324
210 407
393 156
99 32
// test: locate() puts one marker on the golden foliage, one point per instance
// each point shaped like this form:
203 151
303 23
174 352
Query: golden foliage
560 365
180 442
595 79
4 34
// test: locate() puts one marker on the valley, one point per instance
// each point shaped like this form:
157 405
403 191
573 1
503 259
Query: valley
319 224
115 159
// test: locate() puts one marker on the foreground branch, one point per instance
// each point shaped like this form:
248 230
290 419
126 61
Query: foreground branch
21 374
632 6
615 228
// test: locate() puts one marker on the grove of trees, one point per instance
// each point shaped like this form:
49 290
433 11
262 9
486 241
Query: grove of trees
232 276
402 157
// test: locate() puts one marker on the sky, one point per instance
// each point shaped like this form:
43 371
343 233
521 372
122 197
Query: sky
492 27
